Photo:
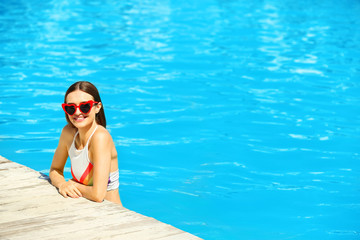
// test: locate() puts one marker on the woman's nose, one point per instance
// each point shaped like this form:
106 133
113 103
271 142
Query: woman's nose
77 111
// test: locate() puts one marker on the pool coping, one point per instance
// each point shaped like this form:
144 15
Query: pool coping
31 206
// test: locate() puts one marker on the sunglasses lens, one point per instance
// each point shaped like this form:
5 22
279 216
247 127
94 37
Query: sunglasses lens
85 108
70 110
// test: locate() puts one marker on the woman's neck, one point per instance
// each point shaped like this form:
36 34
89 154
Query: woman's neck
85 132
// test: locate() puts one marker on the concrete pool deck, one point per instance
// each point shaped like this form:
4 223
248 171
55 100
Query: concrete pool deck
30 207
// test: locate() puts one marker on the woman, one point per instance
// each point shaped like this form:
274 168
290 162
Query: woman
85 140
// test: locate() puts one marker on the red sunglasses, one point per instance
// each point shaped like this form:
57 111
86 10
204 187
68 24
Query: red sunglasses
84 107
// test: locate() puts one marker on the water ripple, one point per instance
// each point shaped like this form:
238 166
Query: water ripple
239 107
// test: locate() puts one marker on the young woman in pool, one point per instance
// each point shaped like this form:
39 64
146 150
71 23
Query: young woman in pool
85 140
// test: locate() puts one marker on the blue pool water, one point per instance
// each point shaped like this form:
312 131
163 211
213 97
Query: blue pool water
232 119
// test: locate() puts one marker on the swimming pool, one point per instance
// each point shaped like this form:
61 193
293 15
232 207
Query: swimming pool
232 119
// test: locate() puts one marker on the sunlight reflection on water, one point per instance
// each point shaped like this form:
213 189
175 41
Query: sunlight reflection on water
232 119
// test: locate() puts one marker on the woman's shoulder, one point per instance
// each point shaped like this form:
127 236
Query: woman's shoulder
68 132
101 135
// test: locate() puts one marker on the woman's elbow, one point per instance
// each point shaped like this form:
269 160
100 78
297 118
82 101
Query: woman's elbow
99 197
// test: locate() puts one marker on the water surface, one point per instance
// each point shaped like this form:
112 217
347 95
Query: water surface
232 119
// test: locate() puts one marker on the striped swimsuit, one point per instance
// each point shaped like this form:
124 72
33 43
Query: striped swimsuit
82 168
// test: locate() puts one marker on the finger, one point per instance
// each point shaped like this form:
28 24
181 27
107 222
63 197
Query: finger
63 194
77 191
67 192
73 194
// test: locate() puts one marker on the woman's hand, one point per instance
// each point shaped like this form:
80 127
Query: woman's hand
69 189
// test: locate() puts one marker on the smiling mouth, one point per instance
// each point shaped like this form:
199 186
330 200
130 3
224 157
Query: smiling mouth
79 118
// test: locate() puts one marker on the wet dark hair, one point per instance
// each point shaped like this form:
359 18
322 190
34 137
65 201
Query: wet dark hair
89 88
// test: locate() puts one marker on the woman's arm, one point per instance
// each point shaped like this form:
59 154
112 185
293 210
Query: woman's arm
57 167
100 150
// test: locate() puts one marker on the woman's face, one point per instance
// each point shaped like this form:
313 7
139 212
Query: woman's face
79 119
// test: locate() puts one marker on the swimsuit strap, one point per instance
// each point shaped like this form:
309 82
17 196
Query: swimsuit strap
75 138
91 135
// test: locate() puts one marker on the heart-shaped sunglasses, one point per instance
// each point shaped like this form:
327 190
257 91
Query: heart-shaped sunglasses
84 107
